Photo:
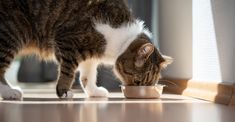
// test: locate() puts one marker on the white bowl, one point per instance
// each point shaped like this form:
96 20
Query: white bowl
142 91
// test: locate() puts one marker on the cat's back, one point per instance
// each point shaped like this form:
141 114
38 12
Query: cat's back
30 25
43 20
38 19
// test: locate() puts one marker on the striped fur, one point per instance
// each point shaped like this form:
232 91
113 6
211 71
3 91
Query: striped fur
59 29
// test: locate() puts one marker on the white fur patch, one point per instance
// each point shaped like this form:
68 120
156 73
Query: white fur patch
88 70
10 93
69 95
97 92
118 39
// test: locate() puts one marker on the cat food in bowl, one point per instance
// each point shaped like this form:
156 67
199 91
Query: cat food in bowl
147 92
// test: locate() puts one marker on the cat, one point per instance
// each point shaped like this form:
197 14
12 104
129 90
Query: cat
78 34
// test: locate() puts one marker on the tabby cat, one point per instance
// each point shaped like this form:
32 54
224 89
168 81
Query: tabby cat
76 33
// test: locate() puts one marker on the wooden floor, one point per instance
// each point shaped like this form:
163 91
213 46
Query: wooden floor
44 106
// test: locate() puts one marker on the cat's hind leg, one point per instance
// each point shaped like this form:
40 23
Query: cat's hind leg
88 76
7 52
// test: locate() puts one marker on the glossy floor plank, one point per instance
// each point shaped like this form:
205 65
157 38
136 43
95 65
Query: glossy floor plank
46 107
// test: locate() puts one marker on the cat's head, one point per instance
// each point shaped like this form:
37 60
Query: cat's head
140 63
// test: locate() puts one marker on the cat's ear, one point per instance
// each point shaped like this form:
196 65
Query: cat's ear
163 60
143 54
166 60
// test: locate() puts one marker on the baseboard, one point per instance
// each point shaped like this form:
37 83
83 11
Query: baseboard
215 92
232 101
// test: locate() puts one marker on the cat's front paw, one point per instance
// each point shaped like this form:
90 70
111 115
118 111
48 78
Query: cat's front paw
98 92
63 92
12 94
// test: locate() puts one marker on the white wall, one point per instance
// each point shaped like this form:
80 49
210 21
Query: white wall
224 19
175 36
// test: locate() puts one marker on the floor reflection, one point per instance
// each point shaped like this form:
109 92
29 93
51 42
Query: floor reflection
119 112
93 112
114 109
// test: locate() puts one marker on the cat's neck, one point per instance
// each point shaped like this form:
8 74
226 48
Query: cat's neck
118 39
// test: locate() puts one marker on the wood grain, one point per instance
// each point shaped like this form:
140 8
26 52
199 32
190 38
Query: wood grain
211 91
